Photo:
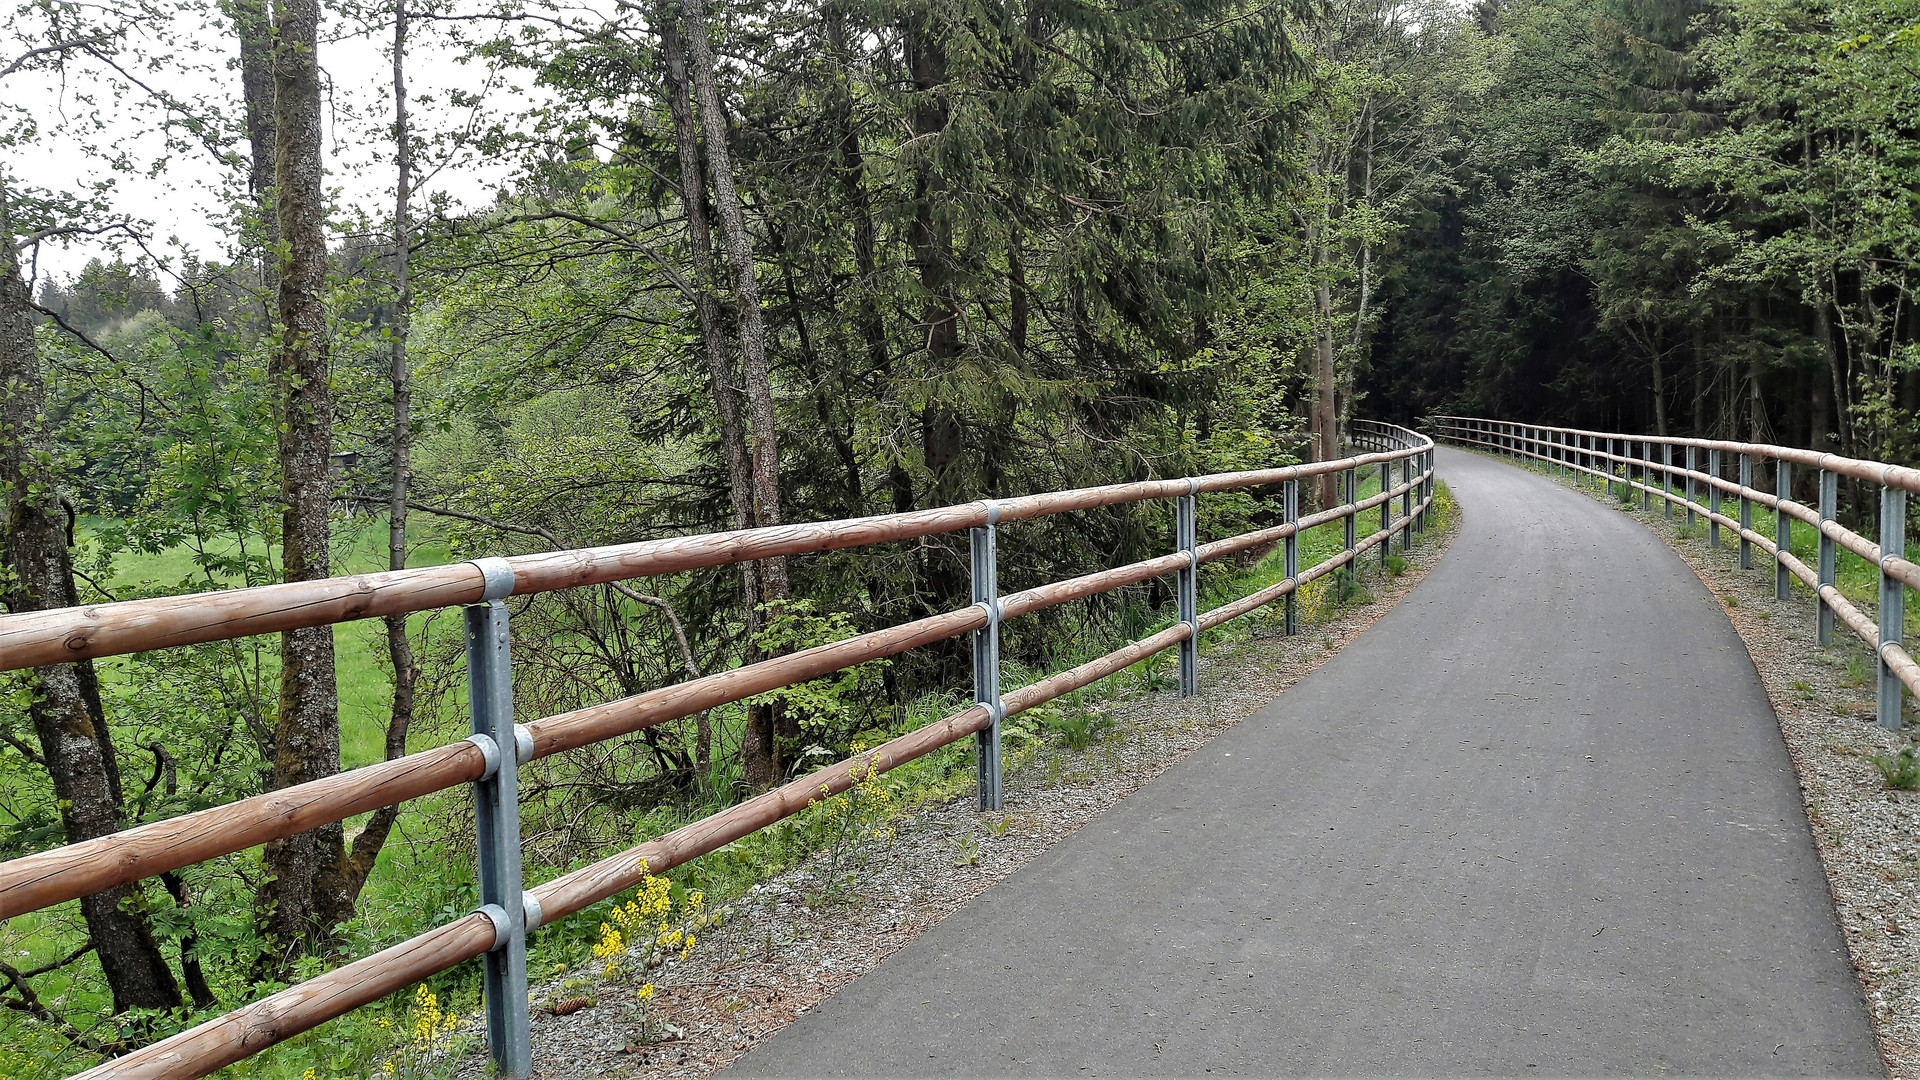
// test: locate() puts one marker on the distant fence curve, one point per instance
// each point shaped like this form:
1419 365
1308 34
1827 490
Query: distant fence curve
1614 457
489 759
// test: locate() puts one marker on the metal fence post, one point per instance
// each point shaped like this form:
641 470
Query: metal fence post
1782 527
986 656
1666 478
1746 511
1386 511
1406 504
496 806
985 590
1186 535
1829 497
1423 469
1560 451
1290 507
1690 463
1713 499
1893 600
1646 476
1353 517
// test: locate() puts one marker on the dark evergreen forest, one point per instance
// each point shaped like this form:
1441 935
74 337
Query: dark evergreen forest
761 263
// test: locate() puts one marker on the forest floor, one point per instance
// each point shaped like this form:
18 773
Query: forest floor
792 941
1867 833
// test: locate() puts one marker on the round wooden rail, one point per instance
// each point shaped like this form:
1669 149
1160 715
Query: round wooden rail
1878 472
245 1031
33 639
1899 661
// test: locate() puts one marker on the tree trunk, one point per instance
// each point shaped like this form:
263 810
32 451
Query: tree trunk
373 836
307 896
754 371
1659 395
757 744
1325 422
253 25
1823 330
76 745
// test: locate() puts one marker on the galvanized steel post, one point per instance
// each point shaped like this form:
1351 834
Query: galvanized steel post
1290 507
1386 511
1186 535
1690 514
1353 516
496 813
1893 600
1746 511
1647 468
1666 478
986 656
1829 497
1782 526
1713 499
1406 504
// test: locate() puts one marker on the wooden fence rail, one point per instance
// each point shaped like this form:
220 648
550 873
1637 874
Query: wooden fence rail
1581 451
65 873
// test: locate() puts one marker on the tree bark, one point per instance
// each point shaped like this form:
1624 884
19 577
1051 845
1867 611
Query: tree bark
373 836
755 374
757 749
64 699
253 25
308 893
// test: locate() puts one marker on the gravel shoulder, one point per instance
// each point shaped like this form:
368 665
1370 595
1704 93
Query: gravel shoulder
1868 836
779 952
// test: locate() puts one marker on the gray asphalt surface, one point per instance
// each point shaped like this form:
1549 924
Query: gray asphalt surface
1537 820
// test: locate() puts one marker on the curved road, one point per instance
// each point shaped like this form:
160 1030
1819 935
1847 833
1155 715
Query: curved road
1537 820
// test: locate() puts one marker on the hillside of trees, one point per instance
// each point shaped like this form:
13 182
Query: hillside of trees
813 259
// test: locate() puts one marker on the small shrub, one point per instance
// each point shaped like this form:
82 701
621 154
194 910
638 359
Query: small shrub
1347 588
1901 771
1080 728
1396 565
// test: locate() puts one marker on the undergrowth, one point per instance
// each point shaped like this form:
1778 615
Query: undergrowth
426 874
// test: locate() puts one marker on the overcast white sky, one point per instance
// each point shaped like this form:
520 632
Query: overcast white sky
185 203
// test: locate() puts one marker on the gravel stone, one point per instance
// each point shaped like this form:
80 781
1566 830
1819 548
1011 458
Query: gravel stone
777 954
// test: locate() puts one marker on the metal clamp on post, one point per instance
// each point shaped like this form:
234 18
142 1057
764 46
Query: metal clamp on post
1746 511
1406 502
1829 499
496 803
1782 526
1646 476
1690 500
1353 519
1893 601
986 655
1713 499
1186 539
1290 510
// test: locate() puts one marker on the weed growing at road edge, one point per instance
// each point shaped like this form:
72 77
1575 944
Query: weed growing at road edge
1901 771
1080 728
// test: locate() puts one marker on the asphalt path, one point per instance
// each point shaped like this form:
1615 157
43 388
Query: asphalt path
1537 820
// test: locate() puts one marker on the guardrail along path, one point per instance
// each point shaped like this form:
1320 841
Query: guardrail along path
1537 820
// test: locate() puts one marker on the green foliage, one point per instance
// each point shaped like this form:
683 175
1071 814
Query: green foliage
1901 771
1079 728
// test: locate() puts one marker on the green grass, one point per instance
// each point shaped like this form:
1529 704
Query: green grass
419 882
360 648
